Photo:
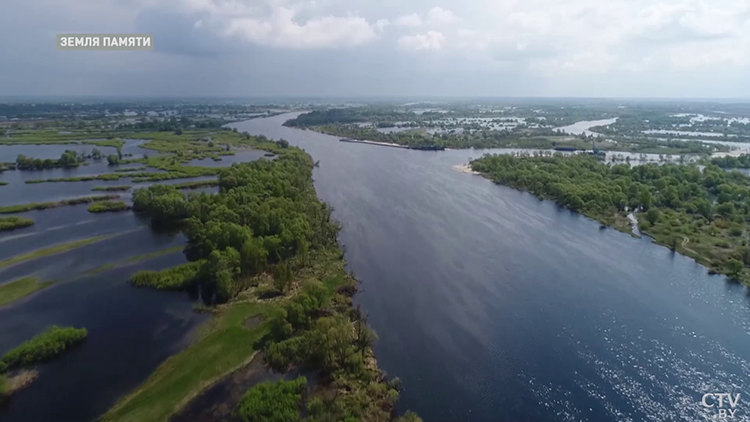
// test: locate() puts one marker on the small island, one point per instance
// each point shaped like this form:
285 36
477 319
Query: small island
47 345
12 223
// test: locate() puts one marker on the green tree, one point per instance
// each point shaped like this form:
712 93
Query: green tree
652 216
646 199
272 402
734 267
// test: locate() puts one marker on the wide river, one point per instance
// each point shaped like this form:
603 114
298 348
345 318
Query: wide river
490 304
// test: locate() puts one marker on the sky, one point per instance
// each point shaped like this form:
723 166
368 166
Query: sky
415 48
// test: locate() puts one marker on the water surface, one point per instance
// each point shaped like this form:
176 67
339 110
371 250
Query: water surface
492 305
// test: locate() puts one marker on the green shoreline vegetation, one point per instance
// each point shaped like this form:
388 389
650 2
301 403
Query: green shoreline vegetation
13 223
12 209
17 289
3 183
52 250
266 247
111 188
48 344
108 206
700 214
175 278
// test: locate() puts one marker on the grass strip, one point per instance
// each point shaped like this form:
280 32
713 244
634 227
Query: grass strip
17 289
53 250
152 255
228 346
108 206
112 188
12 209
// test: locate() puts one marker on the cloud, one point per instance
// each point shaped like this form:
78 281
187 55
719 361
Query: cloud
440 16
381 24
412 20
432 40
542 47
282 30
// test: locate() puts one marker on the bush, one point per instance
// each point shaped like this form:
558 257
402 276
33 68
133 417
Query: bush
175 278
48 344
108 206
283 355
273 402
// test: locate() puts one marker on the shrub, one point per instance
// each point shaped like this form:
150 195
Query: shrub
48 344
175 278
273 402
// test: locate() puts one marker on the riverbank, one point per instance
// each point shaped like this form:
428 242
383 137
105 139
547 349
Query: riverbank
604 193
465 168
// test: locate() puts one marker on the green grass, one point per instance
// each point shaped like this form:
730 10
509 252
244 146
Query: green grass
152 255
108 206
101 269
228 345
12 209
53 250
112 188
12 223
17 289
133 260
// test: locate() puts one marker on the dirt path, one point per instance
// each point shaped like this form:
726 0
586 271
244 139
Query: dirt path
685 241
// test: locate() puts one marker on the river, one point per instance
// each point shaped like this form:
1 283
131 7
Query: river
492 305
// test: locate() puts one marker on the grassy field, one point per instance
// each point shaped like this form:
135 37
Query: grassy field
17 289
53 250
227 346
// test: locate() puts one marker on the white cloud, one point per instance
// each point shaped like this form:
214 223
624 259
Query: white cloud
432 40
282 30
381 24
412 20
440 16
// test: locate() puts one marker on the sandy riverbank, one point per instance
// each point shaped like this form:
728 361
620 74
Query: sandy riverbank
464 168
